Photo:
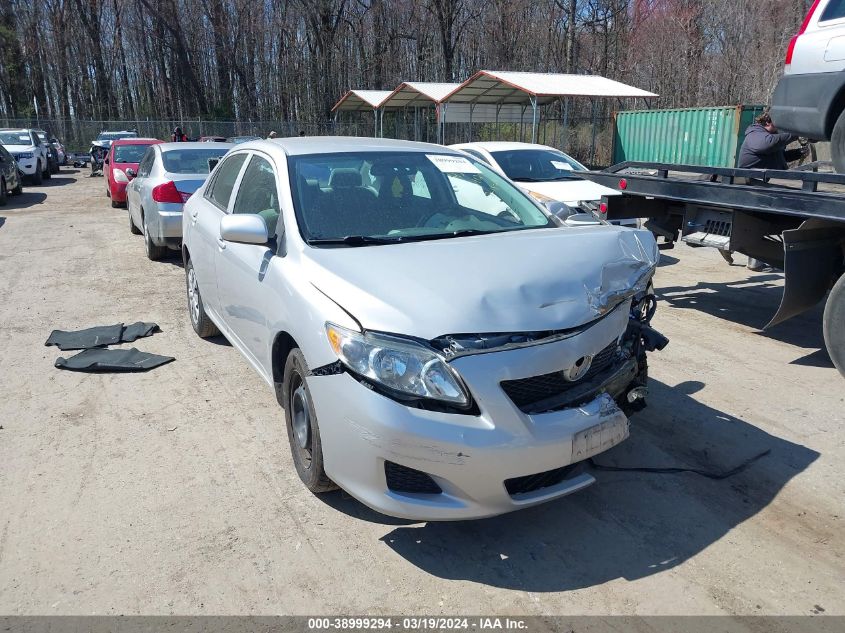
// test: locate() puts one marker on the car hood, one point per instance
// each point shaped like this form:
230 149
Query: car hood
20 148
526 281
569 192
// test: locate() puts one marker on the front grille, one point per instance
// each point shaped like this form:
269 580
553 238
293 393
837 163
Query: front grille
404 479
527 391
547 479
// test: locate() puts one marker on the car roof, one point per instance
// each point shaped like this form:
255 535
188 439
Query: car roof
303 145
166 147
15 129
135 141
500 146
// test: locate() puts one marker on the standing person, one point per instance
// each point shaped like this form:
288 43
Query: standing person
765 148
272 134
178 136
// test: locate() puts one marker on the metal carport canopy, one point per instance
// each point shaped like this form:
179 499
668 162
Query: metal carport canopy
362 101
492 86
418 94
497 88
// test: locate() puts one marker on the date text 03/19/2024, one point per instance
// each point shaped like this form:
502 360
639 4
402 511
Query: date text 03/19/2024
419 623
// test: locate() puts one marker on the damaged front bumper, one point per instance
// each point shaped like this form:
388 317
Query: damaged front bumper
520 449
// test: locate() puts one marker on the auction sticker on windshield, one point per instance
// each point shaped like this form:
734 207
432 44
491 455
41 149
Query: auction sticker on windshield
562 165
452 164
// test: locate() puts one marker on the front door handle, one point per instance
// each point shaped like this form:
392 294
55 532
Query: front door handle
221 243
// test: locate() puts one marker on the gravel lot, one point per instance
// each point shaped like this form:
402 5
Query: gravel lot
173 492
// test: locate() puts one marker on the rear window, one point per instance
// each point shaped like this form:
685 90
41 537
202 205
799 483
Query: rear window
129 153
190 161
834 10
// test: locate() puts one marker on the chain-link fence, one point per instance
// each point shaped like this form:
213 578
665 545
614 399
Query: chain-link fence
583 138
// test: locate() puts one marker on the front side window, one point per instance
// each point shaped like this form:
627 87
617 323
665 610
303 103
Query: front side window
373 197
537 165
146 162
129 153
224 180
257 193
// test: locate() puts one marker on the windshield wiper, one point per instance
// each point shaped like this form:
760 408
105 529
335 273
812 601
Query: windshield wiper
357 240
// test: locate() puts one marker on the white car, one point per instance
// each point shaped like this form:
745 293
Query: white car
808 99
434 359
547 174
29 152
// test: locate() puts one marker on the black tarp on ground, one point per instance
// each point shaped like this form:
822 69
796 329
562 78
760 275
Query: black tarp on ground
112 360
101 335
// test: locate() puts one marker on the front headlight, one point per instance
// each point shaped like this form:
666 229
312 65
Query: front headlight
120 175
555 207
398 364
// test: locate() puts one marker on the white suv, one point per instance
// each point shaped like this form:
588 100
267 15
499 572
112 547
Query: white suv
810 98
30 153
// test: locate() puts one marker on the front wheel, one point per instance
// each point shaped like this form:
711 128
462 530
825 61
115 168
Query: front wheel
203 326
132 228
3 195
19 189
306 447
38 176
833 324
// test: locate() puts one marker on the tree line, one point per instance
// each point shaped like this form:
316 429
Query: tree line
293 59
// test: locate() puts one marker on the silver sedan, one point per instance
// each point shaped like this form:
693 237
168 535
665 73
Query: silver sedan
168 174
438 356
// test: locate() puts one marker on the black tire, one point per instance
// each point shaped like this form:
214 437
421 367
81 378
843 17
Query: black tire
19 189
833 324
3 194
117 205
203 326
38 176
48 172
154 252
837 144
306 446
132 228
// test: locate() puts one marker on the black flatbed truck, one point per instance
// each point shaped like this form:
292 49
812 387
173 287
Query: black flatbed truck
792 220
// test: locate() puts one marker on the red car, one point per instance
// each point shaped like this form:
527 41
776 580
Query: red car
123 154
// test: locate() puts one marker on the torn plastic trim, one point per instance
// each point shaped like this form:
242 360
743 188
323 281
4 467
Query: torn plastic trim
453 346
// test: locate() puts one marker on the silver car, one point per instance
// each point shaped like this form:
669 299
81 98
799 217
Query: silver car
167 176
437 359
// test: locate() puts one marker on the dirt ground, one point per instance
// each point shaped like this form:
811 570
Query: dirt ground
173 492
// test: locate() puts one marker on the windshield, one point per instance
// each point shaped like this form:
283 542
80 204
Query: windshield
129 153
15 138
537 165
384 197
113 136
190 161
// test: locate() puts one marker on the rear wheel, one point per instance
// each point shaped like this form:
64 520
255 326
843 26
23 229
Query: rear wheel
132 228
117 205
48 172
154 252
38 176
203 326
833 324
3 194
306 447
19 189
837 144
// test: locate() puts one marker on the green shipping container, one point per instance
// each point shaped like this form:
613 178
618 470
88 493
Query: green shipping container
694 136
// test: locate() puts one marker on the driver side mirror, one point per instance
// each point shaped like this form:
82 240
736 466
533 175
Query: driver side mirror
131 173
244 228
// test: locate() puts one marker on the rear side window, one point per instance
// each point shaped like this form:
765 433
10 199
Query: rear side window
146 162
224 180
834 10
